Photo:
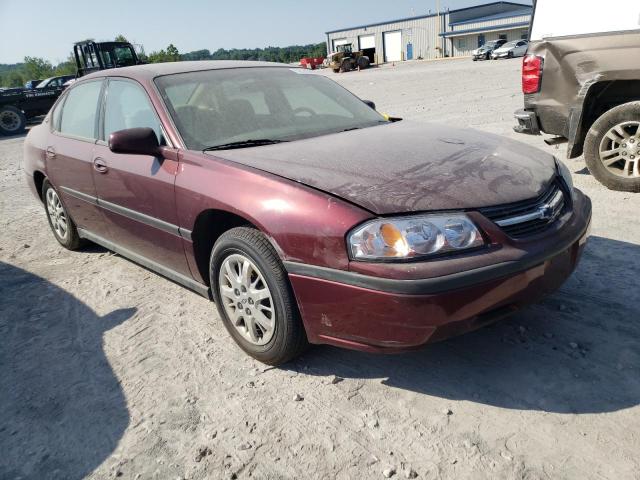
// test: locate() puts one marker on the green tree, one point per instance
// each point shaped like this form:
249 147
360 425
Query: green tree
173 53
121 38
35 67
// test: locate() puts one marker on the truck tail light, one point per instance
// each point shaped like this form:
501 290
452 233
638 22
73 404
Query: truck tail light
531 73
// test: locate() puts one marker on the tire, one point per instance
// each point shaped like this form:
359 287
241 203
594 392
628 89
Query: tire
487 56
12 120
510 55
346 66
363 62
287 338
336 70
70 239
475 59
626 116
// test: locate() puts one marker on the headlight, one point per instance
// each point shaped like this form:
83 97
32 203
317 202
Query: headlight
565 173
413 237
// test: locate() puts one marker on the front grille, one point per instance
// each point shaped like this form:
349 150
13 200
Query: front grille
529 217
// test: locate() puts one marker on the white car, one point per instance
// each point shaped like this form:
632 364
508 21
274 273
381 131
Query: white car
517 48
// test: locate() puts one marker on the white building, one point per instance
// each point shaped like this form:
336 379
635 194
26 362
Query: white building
453 33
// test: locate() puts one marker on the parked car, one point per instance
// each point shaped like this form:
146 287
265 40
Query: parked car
581 80
55 82
305 214
509 50
32 84
484 52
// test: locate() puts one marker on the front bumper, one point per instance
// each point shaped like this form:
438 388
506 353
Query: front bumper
527 122
387 315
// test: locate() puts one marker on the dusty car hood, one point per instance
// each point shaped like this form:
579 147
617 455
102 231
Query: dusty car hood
408 167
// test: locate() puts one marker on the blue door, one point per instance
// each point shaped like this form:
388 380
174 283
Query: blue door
409 51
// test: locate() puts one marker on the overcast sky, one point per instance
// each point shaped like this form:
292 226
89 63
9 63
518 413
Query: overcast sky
49 28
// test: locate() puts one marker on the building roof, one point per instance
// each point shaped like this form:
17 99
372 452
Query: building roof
469 31
497 16
419 17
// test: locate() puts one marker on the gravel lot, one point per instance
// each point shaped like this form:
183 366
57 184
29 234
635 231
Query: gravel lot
108 370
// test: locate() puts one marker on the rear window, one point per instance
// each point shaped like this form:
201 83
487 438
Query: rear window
80 109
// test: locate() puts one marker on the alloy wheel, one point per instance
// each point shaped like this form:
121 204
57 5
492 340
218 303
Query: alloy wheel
246 299
57 215
620 150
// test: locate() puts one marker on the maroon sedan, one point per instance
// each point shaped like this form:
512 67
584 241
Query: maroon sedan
306 215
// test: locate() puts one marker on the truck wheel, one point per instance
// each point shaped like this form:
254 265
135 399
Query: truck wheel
12 120
336 70
346 66
612 148
363 62
253 297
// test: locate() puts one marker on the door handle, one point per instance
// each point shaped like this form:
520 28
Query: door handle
50 152
100 165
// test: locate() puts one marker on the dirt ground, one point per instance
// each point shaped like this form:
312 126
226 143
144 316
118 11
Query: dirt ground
110 371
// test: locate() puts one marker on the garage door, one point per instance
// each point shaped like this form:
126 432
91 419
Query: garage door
367 41
339 41
392 46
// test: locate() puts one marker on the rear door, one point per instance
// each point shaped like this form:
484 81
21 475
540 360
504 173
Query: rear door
136 192
69 154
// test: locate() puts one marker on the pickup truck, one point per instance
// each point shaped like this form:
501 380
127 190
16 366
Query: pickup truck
17 105
581 83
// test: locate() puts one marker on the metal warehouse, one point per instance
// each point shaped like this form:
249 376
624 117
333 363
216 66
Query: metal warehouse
453 33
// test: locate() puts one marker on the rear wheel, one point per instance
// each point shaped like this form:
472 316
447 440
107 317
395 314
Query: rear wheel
612 148
60 222
254 298
12 120
363 62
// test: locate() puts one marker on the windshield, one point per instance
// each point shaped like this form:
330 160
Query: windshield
218 107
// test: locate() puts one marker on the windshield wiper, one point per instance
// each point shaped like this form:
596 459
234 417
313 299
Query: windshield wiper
243 144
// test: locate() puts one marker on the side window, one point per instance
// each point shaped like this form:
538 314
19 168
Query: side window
128 106
79 110
56 115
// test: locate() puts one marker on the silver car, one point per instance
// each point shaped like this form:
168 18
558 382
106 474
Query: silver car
517 48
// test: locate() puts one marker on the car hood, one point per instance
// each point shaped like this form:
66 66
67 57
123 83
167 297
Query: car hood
408 167
503 49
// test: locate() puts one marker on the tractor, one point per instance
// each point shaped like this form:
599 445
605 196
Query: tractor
345 59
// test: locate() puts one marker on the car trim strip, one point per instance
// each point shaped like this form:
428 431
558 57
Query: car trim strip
172 275
132 214
430 286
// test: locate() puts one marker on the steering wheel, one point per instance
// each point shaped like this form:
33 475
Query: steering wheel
298 110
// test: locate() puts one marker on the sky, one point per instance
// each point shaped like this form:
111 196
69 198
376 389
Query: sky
48 28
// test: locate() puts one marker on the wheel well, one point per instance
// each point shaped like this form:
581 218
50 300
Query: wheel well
600 98
38 179
208 227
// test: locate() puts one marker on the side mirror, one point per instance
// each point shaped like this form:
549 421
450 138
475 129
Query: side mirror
136 141
370 103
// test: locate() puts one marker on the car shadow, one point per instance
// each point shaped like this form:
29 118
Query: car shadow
577 351
62 410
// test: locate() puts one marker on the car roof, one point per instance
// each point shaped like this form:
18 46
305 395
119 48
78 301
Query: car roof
150 71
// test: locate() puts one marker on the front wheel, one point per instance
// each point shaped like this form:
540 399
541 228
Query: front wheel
612 148
254 298
12 120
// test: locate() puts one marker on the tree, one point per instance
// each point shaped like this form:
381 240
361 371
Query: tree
173 53
35 68
121 38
